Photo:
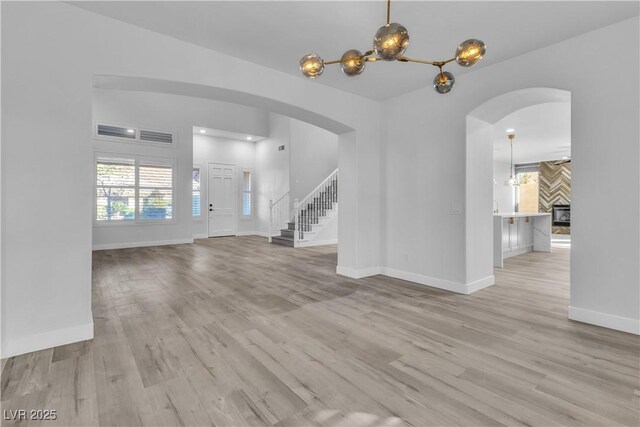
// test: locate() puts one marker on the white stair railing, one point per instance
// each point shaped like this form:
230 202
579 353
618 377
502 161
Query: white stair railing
314 206
279 215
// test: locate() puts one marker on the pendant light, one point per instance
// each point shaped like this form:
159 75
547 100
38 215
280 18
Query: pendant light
513 181
389 44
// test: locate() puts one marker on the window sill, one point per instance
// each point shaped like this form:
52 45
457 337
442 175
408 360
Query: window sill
129 223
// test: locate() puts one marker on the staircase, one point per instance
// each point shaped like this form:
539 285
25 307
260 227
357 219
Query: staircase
304 226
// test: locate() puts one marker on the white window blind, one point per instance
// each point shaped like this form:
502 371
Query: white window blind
196 205
246 193
116 193
155 191
134 189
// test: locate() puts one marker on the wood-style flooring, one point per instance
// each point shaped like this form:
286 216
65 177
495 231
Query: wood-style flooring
234 331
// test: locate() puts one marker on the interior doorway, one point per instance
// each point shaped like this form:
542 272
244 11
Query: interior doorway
518 167
222 200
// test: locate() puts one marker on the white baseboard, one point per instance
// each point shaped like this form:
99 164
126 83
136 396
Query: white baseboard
515 252
434 282
46 340
141 244
239 233
318 243
425 280
357 274
485 282
606 320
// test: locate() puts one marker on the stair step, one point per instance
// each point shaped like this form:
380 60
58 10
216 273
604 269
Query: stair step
281 240
292 226
287 233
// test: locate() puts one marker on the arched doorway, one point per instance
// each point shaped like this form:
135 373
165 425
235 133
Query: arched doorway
480 172
347 254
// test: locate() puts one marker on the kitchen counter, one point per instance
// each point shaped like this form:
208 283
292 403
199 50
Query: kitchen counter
515 233
519 214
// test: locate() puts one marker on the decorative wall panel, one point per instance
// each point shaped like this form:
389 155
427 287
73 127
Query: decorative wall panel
555 188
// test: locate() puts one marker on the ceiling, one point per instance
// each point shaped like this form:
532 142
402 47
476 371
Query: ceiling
278 34
543 132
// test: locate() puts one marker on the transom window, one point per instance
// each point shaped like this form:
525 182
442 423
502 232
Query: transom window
134 189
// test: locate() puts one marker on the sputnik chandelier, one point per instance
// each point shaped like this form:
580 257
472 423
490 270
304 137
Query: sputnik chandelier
389 44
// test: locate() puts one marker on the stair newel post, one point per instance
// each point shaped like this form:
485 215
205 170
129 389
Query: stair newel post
270 219
296 219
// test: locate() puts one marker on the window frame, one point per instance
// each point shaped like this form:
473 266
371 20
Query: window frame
242 192
136 140
199 217
523 168
146 161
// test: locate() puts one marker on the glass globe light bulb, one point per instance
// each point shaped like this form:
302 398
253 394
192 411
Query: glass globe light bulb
352 62
470 52
391 41
443 82
311 65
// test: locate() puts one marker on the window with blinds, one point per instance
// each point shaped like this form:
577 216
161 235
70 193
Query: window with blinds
116 189
196 209
246 193
155 187
133 189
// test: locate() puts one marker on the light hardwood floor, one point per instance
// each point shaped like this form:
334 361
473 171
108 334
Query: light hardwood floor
234 331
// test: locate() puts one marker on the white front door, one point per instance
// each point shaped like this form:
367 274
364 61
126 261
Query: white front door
222 200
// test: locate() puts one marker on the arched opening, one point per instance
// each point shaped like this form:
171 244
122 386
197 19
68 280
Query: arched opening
343 135
540 117
143 84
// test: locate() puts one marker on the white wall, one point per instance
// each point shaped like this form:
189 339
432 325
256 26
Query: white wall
313 156
177 114
272 167
503 194
430 150
211 149
479 165
310 154
51 54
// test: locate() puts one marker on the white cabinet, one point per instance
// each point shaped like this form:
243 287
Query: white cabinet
515 234
506 242
525 233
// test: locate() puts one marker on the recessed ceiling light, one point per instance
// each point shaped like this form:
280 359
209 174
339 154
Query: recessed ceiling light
130 131
249 138
510 130
203 131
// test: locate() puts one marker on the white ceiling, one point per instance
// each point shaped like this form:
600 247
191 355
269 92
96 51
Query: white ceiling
543 132
278 34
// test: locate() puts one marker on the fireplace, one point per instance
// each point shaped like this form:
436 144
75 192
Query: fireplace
561 215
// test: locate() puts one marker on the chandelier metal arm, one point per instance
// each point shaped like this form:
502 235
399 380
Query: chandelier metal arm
421 61
367 57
